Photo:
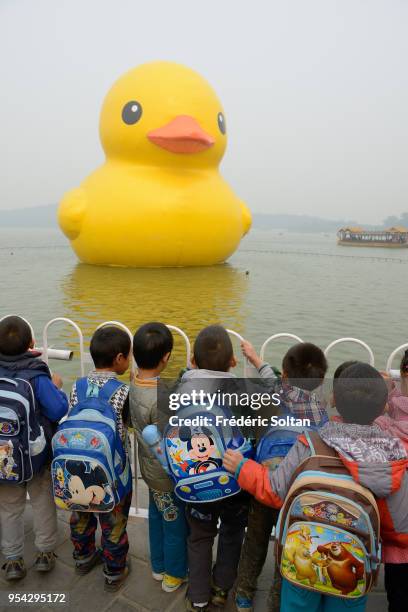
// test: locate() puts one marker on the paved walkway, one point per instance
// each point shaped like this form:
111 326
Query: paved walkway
141 592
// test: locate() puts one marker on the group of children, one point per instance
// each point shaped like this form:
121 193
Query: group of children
370 435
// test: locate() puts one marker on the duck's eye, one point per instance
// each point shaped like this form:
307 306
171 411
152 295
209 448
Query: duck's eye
131 112
221 123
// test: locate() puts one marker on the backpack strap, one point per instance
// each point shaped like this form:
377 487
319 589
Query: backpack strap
110 388
84 389
81 387
9 381
323 457
318 446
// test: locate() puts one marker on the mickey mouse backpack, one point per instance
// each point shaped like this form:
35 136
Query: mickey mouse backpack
90 469
193 454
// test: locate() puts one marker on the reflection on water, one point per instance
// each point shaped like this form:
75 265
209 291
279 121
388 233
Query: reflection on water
301 283
190 298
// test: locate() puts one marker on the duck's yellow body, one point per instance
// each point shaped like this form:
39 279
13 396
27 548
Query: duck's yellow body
159 199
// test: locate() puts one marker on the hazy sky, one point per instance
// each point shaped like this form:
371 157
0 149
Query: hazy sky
315 93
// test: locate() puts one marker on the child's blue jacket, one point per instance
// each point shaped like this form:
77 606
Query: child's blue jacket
53 401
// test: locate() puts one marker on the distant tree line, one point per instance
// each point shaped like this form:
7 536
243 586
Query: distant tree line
46 216
392 220
307 223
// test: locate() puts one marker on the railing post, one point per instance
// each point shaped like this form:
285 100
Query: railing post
277 337
241 339
186 342
45 354
395 352
352 340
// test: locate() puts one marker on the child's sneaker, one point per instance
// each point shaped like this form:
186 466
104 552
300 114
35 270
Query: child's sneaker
157 576
218 596
84 567
243 604
14 569
44 562
171 583
113 582
192 607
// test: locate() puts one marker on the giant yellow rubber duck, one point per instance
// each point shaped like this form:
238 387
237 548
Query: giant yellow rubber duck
159 199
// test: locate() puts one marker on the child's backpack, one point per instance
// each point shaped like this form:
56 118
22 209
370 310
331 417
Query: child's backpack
194 453
275 444
90 469
273 447
21 435
328 532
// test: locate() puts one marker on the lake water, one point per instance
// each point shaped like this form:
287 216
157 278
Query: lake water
276 282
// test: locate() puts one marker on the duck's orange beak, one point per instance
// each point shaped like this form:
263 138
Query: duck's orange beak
182 135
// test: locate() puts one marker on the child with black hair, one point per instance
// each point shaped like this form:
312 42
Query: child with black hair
152 346
338 371
212 361
110 351
304 367
343 366
18 360
374 458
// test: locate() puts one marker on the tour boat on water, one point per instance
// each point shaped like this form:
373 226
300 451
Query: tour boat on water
394 237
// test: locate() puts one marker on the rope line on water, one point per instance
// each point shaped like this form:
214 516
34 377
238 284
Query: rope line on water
258 251
36 247
317 254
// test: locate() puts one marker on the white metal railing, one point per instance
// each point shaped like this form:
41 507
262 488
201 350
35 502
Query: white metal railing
79 333
186 341
277 337
247 365
85 358
392 356
352 340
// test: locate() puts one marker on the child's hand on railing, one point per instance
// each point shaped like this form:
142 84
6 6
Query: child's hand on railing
57 380
231 460
250 353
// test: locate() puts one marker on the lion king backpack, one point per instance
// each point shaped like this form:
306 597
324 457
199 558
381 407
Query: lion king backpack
194 454
90 469
327 535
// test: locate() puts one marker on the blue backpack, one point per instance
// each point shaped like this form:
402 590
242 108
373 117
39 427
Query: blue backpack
273 447
194 454
90 470
22 441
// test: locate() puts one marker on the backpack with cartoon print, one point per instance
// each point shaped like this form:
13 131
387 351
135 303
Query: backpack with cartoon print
90 469
22 438
194 454
328 532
